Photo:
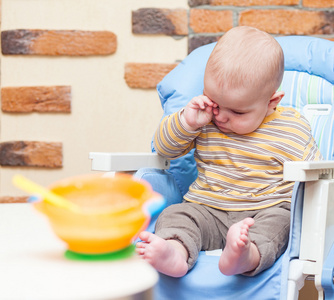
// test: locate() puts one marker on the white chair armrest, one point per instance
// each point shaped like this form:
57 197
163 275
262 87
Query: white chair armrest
104 161
317 220
308 170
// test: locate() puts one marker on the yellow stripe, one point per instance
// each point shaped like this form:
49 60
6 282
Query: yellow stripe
179 126
163 142
241 183
259 156
241 209
253 167
208 189
247 154
277 189
160 144
297 132
181 146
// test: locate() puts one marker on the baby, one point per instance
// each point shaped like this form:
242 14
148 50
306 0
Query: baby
239 201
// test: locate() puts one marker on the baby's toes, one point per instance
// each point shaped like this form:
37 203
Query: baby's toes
140 251
140 245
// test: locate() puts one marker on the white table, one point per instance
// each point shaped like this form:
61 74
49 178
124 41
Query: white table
33 266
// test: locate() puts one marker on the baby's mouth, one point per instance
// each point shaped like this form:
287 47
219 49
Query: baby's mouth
222 127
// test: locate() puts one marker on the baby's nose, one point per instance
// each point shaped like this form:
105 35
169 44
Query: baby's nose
222 116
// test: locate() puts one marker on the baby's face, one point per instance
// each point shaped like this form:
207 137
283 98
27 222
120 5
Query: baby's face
240 110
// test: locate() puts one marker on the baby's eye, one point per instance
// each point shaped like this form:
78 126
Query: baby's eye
238 112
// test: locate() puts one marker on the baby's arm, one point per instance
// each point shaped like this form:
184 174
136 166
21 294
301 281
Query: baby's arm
197 113
171 140
176 133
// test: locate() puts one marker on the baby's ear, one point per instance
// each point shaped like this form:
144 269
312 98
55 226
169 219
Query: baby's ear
275 99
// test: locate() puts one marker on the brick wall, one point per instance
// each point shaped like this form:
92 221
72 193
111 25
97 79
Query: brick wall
207 20
202 22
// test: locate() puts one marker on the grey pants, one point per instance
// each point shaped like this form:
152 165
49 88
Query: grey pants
199 227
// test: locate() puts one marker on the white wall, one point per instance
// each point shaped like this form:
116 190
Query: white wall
106 114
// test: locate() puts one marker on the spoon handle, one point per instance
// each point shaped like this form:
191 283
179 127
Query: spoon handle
34 188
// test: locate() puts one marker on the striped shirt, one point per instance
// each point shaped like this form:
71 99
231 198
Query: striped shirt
240 172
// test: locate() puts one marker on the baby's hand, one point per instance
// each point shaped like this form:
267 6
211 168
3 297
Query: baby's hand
198 112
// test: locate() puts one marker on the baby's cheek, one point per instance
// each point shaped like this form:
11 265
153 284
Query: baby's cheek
244 126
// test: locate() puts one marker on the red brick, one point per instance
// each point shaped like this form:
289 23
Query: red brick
193 3
31 154
318 3
58 42
289 21
213 21
146 76
12 199
36 99
254 2
160 21
200 40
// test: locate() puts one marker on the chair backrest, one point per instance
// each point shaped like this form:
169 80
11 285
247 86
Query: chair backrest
308 85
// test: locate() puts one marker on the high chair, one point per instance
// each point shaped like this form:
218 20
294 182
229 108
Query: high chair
308 85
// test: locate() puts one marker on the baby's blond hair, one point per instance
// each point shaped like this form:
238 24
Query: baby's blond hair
246 56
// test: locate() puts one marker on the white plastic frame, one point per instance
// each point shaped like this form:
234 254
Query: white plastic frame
317 234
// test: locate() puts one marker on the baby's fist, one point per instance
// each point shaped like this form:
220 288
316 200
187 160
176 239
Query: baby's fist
198 112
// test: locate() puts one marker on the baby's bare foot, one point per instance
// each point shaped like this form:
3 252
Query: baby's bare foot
240 255
166 256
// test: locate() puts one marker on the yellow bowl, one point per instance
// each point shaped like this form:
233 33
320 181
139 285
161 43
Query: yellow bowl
111 212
